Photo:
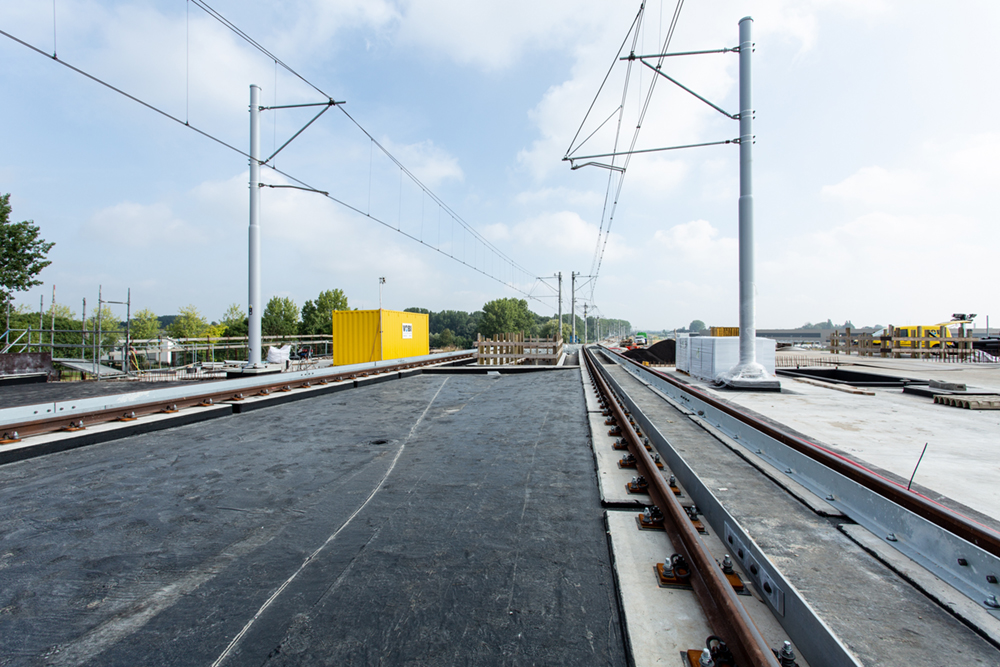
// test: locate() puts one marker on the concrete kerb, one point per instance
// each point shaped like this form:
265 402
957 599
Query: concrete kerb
52 443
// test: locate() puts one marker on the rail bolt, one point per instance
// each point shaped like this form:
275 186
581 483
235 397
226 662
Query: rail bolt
991 602
786 656
727 564
680 566
706 659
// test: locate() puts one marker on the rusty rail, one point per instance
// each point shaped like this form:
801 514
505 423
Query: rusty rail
940 515
197 398
725 613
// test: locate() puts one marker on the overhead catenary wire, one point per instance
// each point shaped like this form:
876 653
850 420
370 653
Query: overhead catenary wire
615 184
501 257
250 40
635 138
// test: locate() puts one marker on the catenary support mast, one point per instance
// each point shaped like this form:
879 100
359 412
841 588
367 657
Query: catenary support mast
748 373
254 348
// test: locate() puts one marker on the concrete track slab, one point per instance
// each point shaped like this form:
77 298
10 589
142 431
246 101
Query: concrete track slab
878 615
611 479
662 622
432 520
889 430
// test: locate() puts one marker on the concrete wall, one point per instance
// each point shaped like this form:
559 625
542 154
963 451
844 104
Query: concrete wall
26 362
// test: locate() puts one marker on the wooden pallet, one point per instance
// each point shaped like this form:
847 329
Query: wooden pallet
969 402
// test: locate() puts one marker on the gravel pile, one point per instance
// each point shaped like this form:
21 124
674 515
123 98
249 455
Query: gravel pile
664 352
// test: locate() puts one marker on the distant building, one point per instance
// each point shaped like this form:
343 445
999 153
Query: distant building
795 336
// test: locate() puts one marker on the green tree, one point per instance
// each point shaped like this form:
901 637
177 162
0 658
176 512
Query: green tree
235 321
281 317
456 320
188 324
507 316
22 253
61 310
144 325
697 326
317 318
112 329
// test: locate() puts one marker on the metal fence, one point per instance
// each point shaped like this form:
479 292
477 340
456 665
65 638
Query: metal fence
150 359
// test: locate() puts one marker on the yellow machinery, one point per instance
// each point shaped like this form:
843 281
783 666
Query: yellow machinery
361 336
940 330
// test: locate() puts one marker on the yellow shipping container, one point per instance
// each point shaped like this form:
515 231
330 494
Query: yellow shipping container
356 337
725 331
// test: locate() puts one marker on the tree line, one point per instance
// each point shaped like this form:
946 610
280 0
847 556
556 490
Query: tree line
457 328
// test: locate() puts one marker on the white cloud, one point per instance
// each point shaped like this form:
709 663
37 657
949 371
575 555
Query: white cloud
561 233
319 22
877 187
559 195
429 163
698 243
132 225
494 35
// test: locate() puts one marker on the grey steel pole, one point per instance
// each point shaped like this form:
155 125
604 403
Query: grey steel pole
559 328
128 330
254 334
747 373
52 323
97 338
381 352
748 326
585 324
572 304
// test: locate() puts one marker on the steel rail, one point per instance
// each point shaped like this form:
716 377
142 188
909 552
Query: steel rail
940 515
725 613
201 398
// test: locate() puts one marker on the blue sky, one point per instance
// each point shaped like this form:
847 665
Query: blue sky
875 169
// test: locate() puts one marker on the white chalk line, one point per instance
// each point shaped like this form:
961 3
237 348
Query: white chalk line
309 559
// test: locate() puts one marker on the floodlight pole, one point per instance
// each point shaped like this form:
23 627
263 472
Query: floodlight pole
254 331
559 328
381 353
572 304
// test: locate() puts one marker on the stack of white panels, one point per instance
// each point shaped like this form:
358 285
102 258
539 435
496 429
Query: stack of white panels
711 355
683 358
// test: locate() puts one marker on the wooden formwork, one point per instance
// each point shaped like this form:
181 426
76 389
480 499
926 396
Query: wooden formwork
515 348
929 343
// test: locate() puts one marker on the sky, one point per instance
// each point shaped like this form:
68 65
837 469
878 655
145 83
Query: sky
875 175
